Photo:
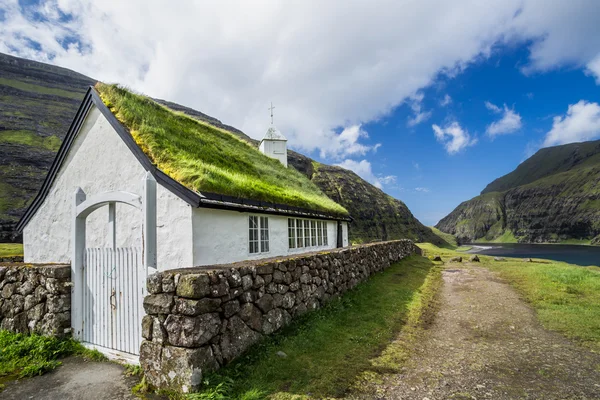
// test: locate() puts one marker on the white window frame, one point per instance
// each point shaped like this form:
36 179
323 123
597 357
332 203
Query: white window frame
292 229
259 227
317 234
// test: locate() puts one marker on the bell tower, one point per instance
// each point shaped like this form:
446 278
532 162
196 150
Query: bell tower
274 144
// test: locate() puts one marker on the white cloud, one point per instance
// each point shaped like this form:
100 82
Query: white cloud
422 189
509 123
230 59
492 107
581 123
447 100
347 144
363 169
453 137
388 179
416 105
563 34
416 165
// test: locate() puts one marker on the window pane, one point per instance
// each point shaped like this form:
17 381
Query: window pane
299 232
319 233
313 233
291 233
264 234
325 233
253 234
306 233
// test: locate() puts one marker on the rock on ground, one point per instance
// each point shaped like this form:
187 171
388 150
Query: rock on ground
486 343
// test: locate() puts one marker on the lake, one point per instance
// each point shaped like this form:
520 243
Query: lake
573 254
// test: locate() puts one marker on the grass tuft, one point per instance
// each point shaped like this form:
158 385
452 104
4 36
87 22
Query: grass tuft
30 355
205 158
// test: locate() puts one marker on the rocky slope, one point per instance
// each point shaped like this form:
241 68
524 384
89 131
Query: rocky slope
38 102
554 196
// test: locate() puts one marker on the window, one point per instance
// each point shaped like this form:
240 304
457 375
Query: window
299 234
319 233
292 233
258 226
253 237
306 233
264 234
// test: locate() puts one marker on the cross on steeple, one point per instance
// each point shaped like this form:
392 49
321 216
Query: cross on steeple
271 108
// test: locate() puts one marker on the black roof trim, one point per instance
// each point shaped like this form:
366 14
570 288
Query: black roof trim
208 200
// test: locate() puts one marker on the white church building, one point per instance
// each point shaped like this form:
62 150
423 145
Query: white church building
100 159
108 209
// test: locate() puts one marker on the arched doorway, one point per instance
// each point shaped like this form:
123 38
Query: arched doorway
109 283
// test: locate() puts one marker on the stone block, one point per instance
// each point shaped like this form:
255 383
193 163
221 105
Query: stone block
158 303
193 308
265 303
194 286
192 331
237 339
251 316
154 283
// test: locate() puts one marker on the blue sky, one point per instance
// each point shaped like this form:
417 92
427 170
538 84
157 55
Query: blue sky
428 100
418 160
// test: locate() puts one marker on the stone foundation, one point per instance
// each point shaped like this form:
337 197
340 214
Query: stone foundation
35 298
200 319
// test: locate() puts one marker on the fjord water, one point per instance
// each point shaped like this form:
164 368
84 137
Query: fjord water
573 254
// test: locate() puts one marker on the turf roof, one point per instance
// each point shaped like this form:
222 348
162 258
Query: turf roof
208 159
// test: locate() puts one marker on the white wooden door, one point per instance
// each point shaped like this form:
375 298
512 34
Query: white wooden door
114 282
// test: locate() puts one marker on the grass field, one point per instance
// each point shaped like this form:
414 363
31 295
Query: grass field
335 348
566 297
11 249
205 158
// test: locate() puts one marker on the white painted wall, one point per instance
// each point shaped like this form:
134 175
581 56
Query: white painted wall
275 149
221 237
99 161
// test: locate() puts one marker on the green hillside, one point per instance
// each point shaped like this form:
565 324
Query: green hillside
554 196
37 104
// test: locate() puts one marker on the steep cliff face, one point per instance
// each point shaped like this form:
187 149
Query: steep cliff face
38 102
554 196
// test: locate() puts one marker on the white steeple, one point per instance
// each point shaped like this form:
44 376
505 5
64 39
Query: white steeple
274 144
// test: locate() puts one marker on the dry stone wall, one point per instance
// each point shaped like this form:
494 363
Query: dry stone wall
35 298
199 320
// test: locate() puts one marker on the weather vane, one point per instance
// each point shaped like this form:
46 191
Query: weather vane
271 108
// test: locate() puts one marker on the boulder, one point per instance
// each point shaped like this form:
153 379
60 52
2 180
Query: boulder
437 258
192 332
498 258
474 258
456 259
237 338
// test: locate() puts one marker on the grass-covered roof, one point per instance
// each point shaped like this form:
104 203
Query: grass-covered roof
208 159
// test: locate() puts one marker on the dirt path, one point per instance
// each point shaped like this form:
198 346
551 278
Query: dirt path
486 343
75 379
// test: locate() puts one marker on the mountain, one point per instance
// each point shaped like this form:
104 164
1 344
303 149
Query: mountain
38 102
554 196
